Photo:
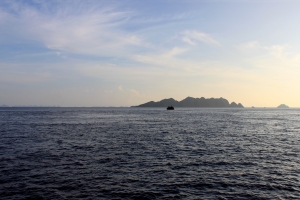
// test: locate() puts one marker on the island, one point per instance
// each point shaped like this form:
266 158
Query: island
193 102
283 106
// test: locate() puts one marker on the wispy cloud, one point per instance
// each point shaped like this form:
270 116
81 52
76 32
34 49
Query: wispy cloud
168 59
255 45
277 53
188 40
134 91
74 28
249 45
192 37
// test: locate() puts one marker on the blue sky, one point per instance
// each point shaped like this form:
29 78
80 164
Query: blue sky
123 53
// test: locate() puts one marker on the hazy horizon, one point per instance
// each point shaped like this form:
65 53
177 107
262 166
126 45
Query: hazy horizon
52 106
125 53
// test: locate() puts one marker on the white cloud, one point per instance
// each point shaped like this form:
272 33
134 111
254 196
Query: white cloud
192 36
134 91
188 40
170 60
249 45
174 52
75 28
256 46
275 67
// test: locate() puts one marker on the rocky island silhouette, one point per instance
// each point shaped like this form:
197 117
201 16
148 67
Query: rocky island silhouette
193 102
283 106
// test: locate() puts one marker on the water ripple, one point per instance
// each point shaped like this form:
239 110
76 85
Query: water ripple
101 153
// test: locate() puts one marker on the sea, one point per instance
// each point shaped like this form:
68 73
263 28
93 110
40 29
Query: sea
149 153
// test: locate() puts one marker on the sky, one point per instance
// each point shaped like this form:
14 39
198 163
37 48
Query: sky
128 52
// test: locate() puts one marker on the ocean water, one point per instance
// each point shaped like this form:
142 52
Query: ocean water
149 153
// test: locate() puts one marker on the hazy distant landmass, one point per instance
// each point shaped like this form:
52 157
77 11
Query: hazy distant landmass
28 106
193 102
283 106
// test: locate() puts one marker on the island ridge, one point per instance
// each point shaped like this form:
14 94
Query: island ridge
193 102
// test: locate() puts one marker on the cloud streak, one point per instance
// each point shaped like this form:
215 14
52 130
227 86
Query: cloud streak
73 28
192 37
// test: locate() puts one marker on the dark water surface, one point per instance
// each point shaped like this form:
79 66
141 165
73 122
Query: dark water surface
131 153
